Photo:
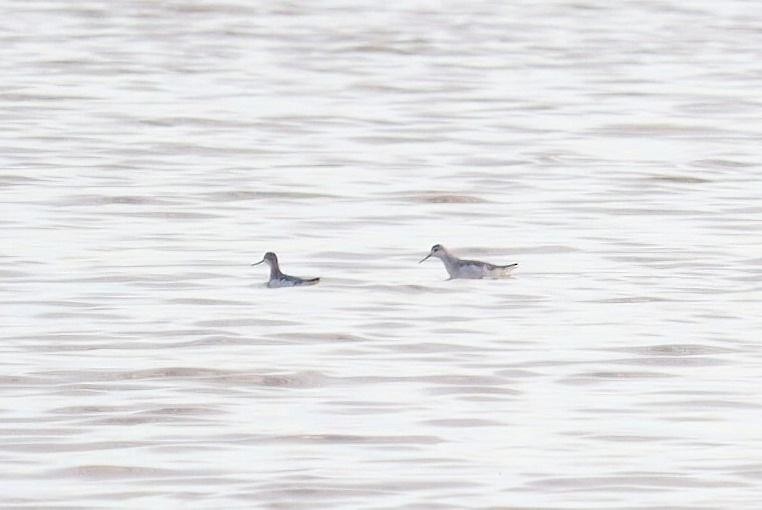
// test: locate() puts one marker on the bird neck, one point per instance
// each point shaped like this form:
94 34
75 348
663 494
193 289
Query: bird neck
449 259
275 271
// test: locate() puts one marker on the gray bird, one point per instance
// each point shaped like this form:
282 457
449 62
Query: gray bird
278 279
459 268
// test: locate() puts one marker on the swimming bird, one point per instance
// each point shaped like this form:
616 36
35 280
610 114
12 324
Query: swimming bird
459 268
278 279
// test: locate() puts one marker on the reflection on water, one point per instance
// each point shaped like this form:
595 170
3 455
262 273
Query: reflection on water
152 150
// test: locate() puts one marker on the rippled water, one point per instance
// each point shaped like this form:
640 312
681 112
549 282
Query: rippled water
152 150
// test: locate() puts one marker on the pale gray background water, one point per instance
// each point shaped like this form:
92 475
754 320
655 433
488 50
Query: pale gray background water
151 150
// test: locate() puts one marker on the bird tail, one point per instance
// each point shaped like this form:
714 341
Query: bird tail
506 270
312 281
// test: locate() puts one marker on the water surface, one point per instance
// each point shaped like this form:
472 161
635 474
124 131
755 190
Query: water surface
151 151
